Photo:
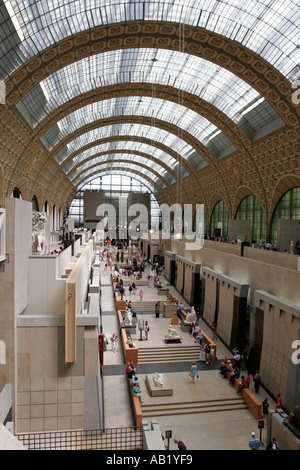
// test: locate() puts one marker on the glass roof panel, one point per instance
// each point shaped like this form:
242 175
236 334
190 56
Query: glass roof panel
154 108
255 24
124 146
214 84
135 130
126 157
120 165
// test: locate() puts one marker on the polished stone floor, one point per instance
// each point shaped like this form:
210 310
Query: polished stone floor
222 430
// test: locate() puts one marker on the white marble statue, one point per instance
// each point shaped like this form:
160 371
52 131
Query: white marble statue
172 333
158 379
191 317
38 232
128 317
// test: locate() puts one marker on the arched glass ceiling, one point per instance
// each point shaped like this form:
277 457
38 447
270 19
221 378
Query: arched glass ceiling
125 146
135 131
216 85
267 27
126 158
120 166
173 113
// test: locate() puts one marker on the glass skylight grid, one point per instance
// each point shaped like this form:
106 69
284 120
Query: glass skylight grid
135 131
218 86
43 23
124 146
124 157
154 108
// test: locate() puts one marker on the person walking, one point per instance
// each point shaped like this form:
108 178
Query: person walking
257 382
157 309
147 329
265 408
273 444
214 329
113 342
116 344
141 295
194 372
254 442
279 402
180 444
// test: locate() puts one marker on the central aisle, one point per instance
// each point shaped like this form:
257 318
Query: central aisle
213 430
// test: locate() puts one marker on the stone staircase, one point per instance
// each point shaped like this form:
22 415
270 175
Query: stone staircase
183 408
170 353
144 306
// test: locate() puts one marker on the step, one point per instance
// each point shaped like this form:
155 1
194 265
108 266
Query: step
168 409
169 354
156 413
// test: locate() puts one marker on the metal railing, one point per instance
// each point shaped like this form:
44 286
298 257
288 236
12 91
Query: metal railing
129 438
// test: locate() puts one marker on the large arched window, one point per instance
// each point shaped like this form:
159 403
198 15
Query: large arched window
111 183
219 218
250 209
17 193
35 205
288 207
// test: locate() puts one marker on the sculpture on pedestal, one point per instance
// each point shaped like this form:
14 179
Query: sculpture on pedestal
128 317
158 379
38 232
172 333
191 317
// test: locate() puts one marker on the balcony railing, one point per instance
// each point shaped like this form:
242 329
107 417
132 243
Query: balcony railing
129 438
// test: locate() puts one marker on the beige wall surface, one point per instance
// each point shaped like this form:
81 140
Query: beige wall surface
241 229
46 291
288 230
210 301
276 280
281 328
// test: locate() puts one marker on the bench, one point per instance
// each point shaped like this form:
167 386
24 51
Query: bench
130 353
136 406
254 405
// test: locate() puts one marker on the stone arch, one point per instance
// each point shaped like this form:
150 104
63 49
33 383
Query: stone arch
284 184
22 185
193 102
35 203
242 192
165 35
98 172
117 160
17 193
129 152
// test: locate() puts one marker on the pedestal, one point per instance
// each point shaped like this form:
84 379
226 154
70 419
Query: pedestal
156 390
169 310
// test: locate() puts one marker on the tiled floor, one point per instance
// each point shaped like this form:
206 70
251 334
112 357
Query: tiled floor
212 431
